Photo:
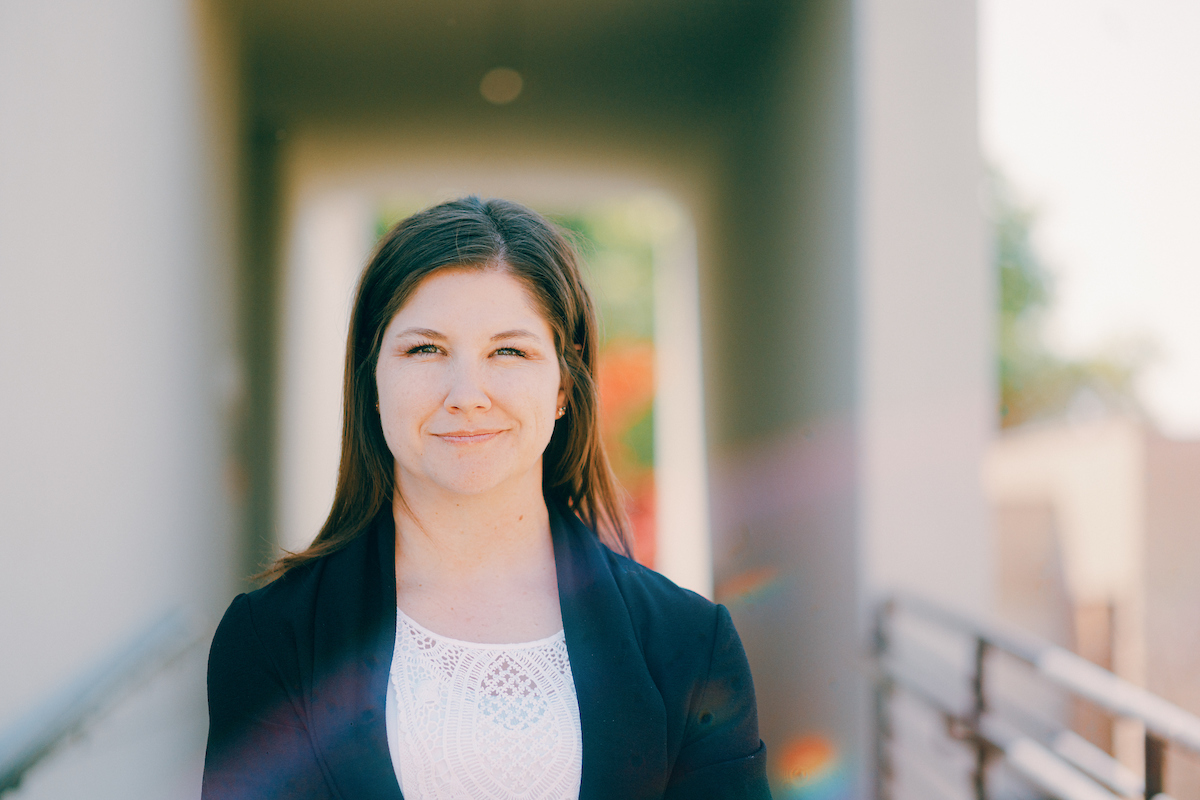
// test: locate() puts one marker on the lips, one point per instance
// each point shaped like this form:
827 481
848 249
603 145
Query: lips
468 437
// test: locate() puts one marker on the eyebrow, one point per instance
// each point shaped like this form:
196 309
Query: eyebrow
429 333
516 333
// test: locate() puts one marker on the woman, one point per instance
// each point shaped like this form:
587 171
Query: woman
457 629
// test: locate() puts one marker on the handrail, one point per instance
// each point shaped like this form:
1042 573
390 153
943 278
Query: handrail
1072 672
1034 762
43 728
1093 761
1064 765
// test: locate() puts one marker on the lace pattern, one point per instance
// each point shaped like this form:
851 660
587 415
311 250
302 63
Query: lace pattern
483 721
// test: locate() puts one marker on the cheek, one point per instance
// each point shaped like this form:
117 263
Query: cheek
403 402
537 393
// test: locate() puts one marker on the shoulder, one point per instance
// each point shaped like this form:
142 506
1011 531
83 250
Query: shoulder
259 734
261 626
651 596
252 676
601 581
277 620
317 615
275 605
293 600
289 595
696 659
678 629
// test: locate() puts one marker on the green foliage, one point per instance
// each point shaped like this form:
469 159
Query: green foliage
619 262
1035 383
397 208
639 439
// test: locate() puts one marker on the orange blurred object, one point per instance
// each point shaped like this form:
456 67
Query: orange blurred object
625 382
806 759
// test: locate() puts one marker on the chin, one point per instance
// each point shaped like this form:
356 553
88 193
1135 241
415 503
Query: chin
479 478
470 485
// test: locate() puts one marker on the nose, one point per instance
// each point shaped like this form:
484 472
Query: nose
466 392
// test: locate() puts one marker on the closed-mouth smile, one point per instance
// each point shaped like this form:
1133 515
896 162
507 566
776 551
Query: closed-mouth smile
468 437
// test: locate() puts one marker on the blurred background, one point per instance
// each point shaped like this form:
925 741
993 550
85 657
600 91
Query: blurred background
900 360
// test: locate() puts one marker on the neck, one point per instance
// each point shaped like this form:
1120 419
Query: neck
463 537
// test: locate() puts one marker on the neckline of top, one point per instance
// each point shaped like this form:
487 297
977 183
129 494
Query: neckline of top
547 640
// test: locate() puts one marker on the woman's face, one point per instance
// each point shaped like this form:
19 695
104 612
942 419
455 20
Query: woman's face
468 384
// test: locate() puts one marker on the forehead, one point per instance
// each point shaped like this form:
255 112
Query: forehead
470 297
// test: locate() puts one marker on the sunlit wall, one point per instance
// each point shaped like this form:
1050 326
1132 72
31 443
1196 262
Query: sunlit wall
119 153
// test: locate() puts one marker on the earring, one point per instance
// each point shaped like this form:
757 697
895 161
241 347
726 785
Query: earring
561 410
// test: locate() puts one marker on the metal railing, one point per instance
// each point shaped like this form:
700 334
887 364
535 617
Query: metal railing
1049 758
69 710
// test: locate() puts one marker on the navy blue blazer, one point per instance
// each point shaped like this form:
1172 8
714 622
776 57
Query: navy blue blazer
298 671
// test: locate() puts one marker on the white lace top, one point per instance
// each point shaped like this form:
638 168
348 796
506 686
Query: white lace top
468 721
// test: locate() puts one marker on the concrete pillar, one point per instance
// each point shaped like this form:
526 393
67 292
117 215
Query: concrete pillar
927 408
847 363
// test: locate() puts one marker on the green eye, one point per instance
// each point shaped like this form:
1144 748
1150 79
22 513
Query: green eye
510 351
421 349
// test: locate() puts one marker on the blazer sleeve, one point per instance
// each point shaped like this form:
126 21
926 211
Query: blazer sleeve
258 744
721 756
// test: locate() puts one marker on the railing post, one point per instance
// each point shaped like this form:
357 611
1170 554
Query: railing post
883 697
1156 750
978 690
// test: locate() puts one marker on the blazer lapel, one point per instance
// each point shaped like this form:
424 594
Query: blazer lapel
620 709
353 639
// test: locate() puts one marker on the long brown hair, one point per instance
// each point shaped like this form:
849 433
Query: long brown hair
478 234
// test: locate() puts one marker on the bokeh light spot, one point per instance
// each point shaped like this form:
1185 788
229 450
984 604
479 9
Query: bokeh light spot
501 85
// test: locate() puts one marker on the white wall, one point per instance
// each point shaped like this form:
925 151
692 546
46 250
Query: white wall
329 238
117 179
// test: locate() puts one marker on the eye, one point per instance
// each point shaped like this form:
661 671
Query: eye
511 351
421 350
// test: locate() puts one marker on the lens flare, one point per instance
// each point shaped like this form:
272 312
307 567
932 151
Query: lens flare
810 768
